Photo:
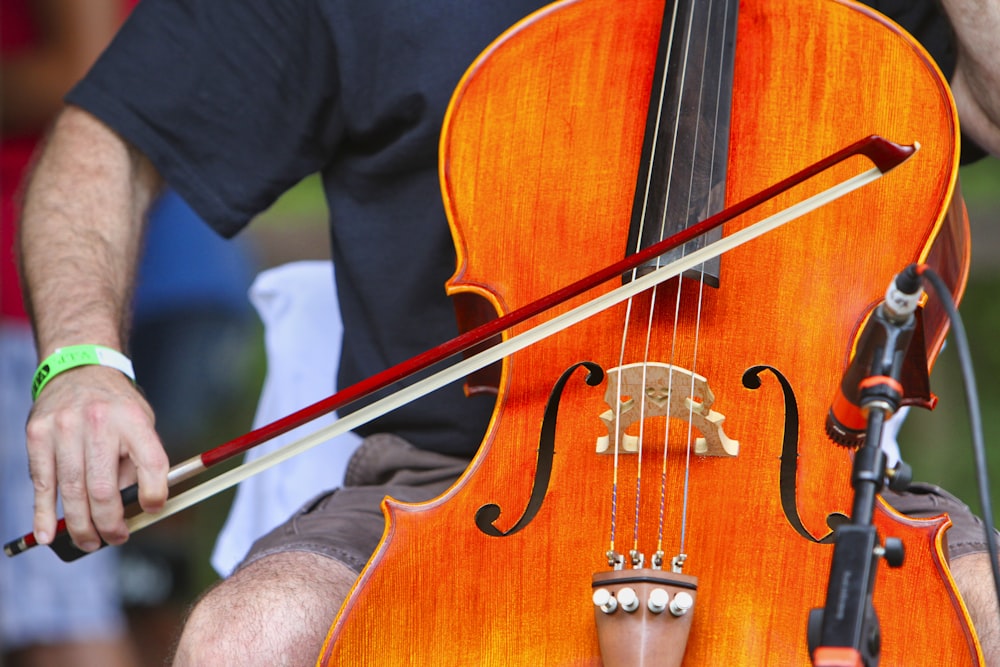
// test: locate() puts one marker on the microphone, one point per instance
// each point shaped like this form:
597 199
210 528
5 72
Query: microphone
873 373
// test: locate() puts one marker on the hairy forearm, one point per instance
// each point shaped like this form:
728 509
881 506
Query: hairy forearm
80 234
976 82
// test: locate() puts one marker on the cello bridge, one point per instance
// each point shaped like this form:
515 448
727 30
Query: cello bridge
642 390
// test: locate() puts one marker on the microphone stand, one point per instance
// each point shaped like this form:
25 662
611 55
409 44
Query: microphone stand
845 633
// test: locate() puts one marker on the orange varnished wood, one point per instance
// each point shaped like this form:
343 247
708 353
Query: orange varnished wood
539 153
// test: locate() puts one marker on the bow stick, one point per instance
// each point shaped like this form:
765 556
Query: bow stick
884 154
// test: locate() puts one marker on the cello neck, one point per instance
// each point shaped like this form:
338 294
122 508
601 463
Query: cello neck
682 173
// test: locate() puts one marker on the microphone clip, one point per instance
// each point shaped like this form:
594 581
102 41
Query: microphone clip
889 350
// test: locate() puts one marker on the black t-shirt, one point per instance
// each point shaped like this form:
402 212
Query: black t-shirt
235 101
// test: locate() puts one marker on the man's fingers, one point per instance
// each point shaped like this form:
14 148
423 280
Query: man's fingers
103 497
72 482
42 466
151 463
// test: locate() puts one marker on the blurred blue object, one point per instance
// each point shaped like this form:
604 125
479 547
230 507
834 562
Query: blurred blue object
194 329
187 265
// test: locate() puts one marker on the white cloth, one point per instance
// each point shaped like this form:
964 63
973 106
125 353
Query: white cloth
42 599
890 436
302 332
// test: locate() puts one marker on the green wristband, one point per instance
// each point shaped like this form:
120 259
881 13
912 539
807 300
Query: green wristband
73 356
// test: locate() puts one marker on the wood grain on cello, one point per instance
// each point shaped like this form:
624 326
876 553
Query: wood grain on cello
550 164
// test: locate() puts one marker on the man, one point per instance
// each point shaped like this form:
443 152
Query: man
50 614
245 99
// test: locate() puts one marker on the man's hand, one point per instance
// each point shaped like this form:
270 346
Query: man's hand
93 432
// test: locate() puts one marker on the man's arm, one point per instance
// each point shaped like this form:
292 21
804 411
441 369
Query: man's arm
90 431
976 81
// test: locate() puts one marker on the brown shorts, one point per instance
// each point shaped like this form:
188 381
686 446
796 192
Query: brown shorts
346 524
965 536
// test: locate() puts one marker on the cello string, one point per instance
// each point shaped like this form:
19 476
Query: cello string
679 280
661 521
612 556
628 309
642 431
675 130
699 104
682 556
648 185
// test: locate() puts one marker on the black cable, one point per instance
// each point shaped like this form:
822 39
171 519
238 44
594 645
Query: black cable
975 419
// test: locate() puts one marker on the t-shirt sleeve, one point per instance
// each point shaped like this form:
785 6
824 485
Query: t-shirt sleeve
234 101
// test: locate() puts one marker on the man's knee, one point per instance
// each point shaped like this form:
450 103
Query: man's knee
973 576
281 605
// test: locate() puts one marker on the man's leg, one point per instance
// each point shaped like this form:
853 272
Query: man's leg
274 612
967 557
974 579
277 607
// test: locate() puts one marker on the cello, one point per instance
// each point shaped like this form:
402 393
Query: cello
695 443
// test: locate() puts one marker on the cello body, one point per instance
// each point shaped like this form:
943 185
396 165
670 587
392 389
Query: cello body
539 154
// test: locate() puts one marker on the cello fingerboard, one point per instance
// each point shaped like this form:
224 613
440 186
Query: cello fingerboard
682 179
